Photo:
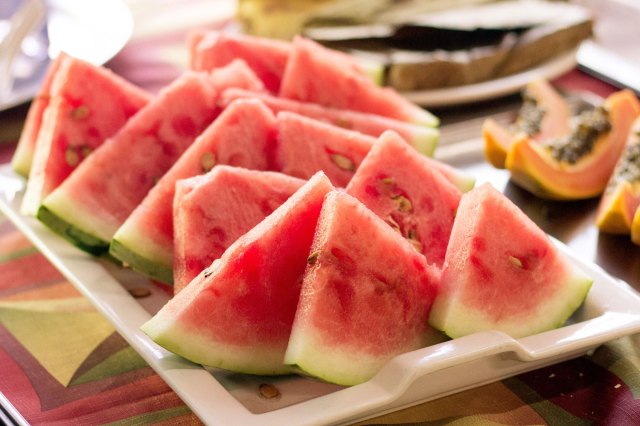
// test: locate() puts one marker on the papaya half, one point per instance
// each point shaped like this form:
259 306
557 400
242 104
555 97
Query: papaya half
579 164
544 115
621 197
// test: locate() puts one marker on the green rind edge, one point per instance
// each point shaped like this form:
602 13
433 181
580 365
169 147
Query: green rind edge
83 240
169 339
427 143
152 268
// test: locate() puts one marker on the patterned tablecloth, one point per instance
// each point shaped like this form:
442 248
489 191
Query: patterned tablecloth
62 363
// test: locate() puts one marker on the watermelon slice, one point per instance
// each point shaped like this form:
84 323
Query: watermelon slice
406 190
237 314
365 298
502 272
211 211
241 136
306 146
23 155
88 104
422 138
320 75
96 199
236 74
266 57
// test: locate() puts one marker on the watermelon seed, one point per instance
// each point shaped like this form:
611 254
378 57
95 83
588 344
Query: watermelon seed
343 162
207 273
387 181
515 262
140 292
403 203
343 122
85 150
207 161
391 221
268 391
413 239
71 156
313 258
80 112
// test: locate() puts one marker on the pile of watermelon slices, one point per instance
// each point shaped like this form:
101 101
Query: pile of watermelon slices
290 202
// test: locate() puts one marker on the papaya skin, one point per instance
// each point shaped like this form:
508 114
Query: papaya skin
555 123
533 167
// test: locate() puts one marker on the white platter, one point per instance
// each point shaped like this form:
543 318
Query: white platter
92 30
493 88
611 310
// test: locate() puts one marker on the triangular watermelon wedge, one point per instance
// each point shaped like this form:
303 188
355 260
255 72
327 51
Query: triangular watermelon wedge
422 138
408 192
317 74
89 207
266 57
88 104
502 272
366 296
241 136
306 146
213 210
23 155
237 314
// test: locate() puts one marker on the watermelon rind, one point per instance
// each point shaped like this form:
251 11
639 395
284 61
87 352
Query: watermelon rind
459 319
183 341
83 240
152 266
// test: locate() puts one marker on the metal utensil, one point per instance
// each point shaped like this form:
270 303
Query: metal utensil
22 23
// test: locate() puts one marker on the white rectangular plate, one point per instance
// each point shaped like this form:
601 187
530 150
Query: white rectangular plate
611 310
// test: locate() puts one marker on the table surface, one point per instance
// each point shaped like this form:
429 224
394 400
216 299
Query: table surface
62 363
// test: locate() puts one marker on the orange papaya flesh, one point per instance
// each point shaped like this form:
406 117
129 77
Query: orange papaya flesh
544 115
621 197
570 169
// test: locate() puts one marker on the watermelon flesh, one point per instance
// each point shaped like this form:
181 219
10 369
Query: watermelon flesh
88 104
422 138
502 272
366 296
266 57
241 136
97 198
306 146
408 193
320 75
23 155
211 211
237 314
236 74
